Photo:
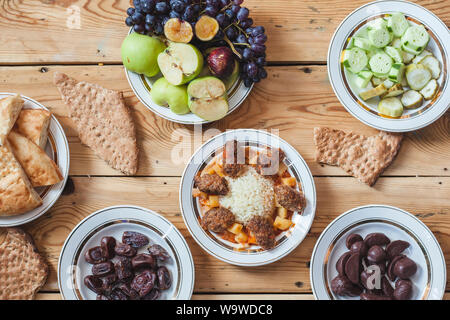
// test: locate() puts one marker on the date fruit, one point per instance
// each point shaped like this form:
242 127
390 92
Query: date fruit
340 264
134 239
103 268
164 278
125 250
93 283
344 287
123 268
143 260
405 268
351 239
396 247
108 244
376 254
144 282
158 252
95 255
376 239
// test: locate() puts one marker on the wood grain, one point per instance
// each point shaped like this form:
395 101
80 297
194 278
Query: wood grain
35 32
293 100
335 195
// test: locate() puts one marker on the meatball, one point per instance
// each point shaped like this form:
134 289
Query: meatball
263 231
211 184
268 165
289 198
217 219
233 159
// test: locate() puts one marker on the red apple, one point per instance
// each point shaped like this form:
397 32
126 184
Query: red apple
221 62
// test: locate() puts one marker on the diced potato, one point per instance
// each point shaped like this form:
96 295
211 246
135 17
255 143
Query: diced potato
199 194
236 228
211 170
282 168
282 224
213 201
282 212
291 182
241 237
243 246
251 239
218 170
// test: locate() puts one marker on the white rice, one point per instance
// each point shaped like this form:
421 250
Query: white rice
249 195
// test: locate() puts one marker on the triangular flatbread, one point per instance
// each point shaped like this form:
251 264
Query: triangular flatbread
103 121
9 111
38 166
33 124
363 157
16 193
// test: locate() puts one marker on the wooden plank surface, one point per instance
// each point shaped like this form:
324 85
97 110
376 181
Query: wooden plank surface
36 32
294 100
335 195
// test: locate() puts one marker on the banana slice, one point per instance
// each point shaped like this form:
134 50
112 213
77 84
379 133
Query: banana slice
412 99
430 89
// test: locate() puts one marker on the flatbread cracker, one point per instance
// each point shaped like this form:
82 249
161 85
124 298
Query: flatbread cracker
363 157
23 271
9 111
17 196
103 121
40 169
33 124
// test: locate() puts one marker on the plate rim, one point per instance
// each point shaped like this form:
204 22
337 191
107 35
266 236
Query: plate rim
133 207
312 210
22 221
372 120
355 209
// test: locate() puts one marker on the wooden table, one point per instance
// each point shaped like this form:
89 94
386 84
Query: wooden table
40 37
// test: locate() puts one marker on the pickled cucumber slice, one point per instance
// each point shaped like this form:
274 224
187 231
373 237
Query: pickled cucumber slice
433 65
421 56
362 43
379 37
415 38
391 107
363 78
412 99
394 53
417 76
430 89
397 24
393 91
374 92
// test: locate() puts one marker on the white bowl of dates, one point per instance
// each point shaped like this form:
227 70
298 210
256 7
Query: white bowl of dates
247 197
192 61
388 65
377 252
125 253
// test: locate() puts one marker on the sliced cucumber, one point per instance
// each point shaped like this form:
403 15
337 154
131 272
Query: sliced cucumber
351 43
417 76
396 73
380 63
379 37
362 43
393 91
377 24
396 43
394 53
420 57
410 51
363 78
415 38
397 24
355 59
374 92
407 57
433 65
412 99
430 89
383 76
391 107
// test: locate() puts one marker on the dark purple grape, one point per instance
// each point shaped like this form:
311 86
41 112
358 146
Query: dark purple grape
231 33
256 79
211 11
219 36
187 2
251 69
242 14
137 17
238 2
260 39
178 6
257 30
247 54
258 48
162 7
150 19
189 14
147 6
213 3
261 61
235 8
197 8
224 3
223 20
230 14
158 28
129 21
246 23
148 28
136 3
241 39
248 83
262 73
251 40
130 11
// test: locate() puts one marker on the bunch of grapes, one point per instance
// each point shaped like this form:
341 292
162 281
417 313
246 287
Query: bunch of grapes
236 28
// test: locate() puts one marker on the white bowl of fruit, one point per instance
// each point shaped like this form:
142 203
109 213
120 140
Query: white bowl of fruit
388 65
192 61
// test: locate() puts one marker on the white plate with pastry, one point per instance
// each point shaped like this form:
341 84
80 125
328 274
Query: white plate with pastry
34 162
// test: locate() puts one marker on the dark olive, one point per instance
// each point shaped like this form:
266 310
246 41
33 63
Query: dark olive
403 290
103 268
164 278
143 260
95 255
94 283
125 250
351 239
158 252
340 264
359 247
107 244
134 239
376 239
344 287
353 268
144 282
376 254
371 296
395 248
405 268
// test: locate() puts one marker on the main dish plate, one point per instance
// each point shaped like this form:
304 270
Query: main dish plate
218 244
114 221
430 278
57 149
348 93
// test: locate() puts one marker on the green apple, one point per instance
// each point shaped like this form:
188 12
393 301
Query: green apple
176 97
208 98
140 53
180 63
